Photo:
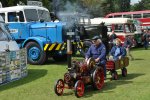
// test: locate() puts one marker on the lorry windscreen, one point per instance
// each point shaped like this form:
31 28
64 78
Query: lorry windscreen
4 35
44 15
31 15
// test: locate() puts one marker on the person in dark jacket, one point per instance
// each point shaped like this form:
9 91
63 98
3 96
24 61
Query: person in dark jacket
104 35
112 38
146 38
128 44
98 51
118 51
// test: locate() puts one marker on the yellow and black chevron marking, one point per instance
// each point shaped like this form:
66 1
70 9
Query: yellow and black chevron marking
55 46
79 44
61 46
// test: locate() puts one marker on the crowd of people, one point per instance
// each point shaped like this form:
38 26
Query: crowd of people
101 51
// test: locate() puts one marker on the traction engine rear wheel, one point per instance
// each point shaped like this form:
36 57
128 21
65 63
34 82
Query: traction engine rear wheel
59 87
79 88
98 78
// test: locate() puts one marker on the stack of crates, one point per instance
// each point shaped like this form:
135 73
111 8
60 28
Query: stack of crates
23 62
3 67
13 65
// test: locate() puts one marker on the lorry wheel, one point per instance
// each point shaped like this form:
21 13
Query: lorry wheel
35 55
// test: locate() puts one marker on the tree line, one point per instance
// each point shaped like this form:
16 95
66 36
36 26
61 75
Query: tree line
95 8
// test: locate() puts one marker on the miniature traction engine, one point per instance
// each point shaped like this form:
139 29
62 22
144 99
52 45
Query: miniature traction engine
80 74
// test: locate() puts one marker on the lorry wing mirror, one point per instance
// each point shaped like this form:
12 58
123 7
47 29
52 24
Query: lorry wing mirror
41 20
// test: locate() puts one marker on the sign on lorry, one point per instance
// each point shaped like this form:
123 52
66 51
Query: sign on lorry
35 3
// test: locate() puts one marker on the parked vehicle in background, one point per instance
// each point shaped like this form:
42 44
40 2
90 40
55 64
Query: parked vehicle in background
13 62
122 27
6 41
79 23
31 27
142 16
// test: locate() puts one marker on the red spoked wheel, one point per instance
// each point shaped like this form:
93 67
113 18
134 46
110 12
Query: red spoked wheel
79 88
124 72
98 78
59 87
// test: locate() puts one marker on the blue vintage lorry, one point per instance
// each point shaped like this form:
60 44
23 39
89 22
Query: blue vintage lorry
31 27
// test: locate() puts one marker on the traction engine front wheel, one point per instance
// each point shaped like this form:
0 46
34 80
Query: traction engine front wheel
59 87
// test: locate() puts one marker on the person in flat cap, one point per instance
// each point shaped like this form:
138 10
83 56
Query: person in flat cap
97 51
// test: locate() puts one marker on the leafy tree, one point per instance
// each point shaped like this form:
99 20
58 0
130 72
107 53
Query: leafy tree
142 5
46 3
124 5
7 3
92 7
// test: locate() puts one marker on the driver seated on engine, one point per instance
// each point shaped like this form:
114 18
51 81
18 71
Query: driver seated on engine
97 51
118 51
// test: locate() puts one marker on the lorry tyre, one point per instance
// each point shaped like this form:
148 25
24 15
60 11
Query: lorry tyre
35 55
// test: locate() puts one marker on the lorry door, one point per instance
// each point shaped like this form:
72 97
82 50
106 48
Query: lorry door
45 29
53 33
18 28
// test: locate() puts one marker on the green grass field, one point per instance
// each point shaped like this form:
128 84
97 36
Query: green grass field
39 84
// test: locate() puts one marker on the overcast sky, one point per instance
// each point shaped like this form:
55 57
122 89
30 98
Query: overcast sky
134 1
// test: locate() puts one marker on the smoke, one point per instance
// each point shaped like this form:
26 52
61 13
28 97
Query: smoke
70 13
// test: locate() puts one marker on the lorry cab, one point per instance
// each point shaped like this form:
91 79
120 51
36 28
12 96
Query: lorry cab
122 27
6 41
30 21
31 27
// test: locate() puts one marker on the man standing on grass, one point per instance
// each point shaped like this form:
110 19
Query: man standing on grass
128 44
103 34
146 38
